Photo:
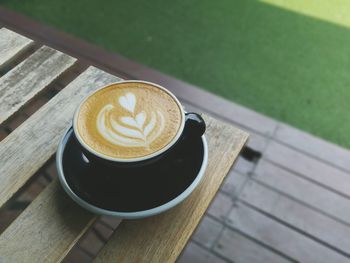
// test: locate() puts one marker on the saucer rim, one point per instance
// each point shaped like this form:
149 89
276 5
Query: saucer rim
126 215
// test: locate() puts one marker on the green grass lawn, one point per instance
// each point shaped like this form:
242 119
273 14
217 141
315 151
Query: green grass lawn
285 64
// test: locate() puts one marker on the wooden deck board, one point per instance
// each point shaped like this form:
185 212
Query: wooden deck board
12 45
328 152
299 216
239 248
309 168
30 77
282 238
284 181
46 230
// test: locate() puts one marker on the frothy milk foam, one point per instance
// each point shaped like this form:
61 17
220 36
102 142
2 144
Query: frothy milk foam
129 120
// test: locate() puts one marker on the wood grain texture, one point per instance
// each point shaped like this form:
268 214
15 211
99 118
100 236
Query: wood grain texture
234 183
239 248
279 236
193 253
11 45
310 168
27 148
30 77
298 215
308 143
46 230
207 232
298 188
161 238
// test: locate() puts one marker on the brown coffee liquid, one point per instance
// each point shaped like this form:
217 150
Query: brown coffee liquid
129 120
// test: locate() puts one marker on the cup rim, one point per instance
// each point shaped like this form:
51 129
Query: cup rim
127 215
135 159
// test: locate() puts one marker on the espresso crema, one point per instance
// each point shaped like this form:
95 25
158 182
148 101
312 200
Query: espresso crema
129 120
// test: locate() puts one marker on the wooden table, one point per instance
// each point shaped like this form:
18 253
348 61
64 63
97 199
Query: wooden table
50 226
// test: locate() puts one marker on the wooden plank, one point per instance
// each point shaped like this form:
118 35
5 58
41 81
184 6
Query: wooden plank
46 230
207 232
328 202
221 108
161 238
280 237
12 45
27 148
195 254
240 249
308 167
255 141
226 109
308 143
234 183
220 206
30 77
299 216
244 166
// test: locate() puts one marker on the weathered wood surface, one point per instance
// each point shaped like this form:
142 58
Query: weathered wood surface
256 141
161 238
240 249
11 45
328 152
234 183
298 215
194 253
280 237
298 188
30 77
314 170
46 230
53 223
27 148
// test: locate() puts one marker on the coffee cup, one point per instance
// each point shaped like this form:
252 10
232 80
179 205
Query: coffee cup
132 151
133 123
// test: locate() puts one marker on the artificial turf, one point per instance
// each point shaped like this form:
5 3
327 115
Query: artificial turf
285 64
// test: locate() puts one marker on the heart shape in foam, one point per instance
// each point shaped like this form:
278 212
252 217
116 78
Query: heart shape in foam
140 119
128 102
138 122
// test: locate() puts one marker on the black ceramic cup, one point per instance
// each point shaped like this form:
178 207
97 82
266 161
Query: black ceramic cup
134 187
192 127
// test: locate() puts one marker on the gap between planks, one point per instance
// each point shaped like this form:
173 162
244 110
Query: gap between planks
41 132
279 236
308 221
52 212
31 76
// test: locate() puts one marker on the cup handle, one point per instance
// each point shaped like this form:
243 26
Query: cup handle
194 125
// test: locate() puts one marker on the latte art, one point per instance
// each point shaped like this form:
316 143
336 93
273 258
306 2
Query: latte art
129 120
130 131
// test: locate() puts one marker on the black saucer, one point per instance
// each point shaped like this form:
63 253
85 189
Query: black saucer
131 189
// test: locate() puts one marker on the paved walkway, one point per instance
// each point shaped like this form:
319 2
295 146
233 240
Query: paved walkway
285 200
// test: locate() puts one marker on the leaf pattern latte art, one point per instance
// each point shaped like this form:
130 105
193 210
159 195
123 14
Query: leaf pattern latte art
133 130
